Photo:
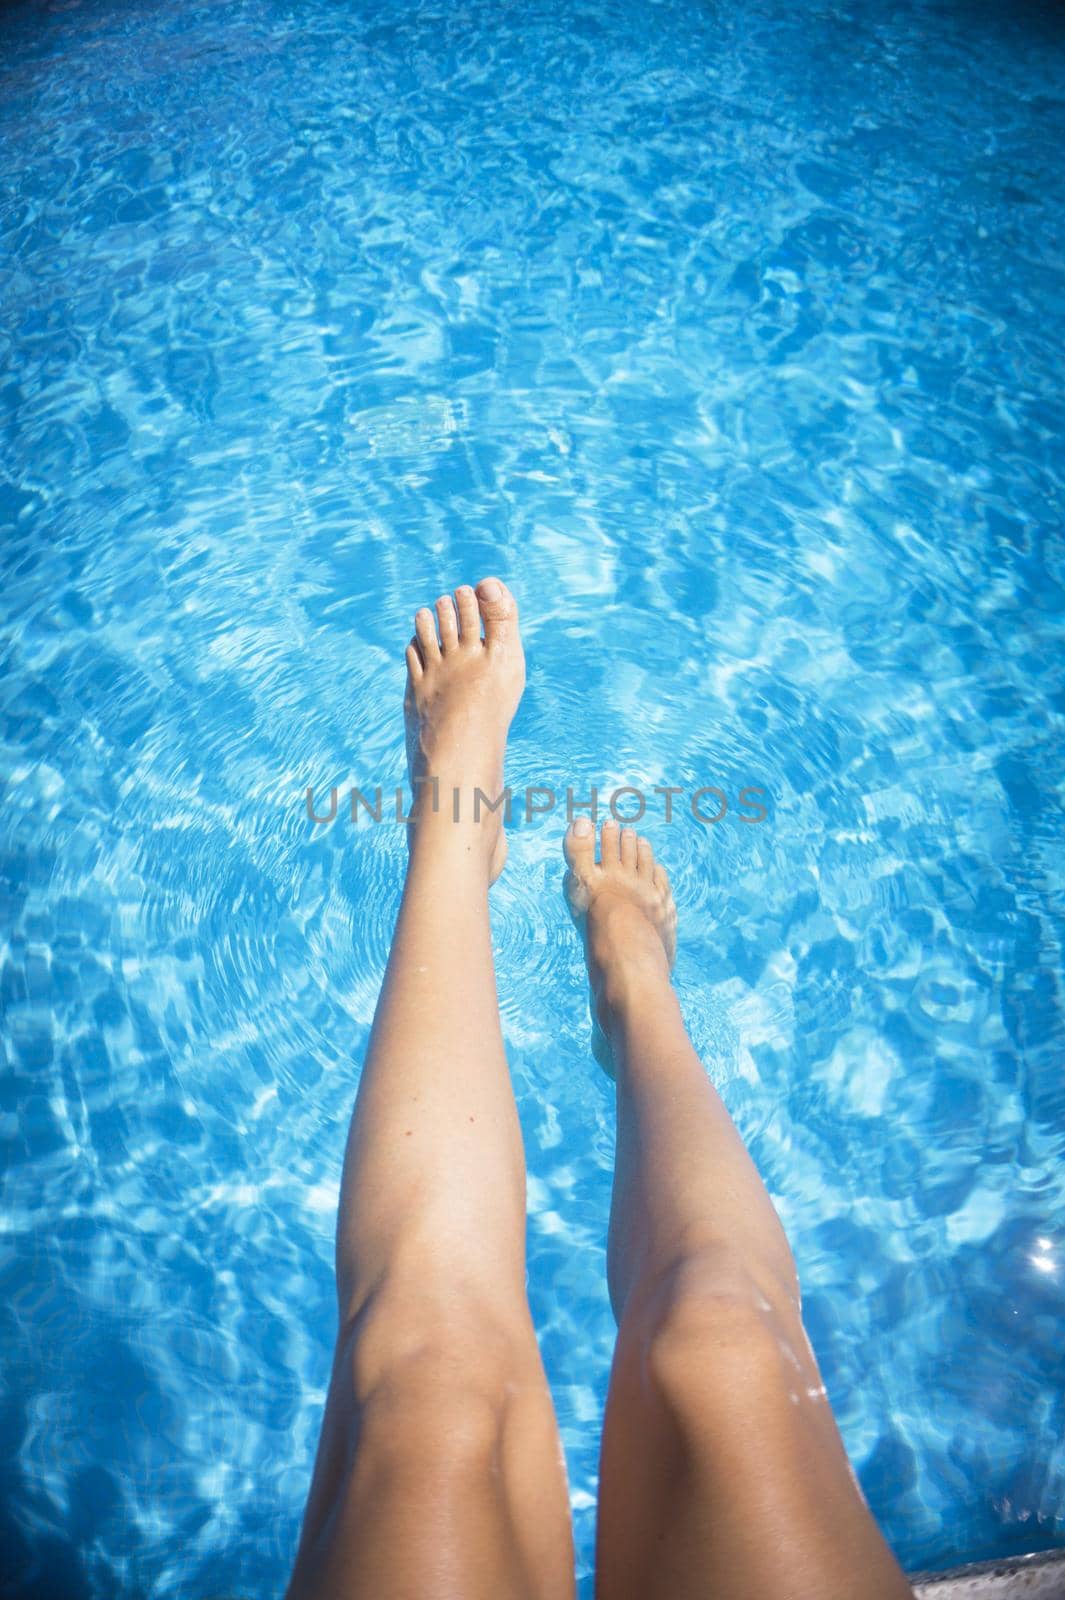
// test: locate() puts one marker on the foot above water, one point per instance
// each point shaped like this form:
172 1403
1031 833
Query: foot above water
465 676
623 907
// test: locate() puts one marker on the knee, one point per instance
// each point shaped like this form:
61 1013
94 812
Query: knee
715 1333
454 1419
441 1375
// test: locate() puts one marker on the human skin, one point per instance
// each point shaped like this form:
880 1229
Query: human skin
439 1473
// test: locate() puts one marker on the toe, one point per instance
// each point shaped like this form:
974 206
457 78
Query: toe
608 843
447 621
661 879
469 615
579 846
499 611
415 669
628 849
645 857
425 633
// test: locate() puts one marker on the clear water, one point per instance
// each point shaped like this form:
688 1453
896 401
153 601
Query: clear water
731 336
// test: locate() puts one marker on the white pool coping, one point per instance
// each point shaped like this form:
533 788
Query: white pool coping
1035 1577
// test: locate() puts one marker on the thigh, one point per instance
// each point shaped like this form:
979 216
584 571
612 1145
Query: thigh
723 1476
445 1483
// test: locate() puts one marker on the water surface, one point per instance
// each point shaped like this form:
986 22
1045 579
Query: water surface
731 337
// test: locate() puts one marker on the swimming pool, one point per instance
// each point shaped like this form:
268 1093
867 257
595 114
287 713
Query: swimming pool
731 338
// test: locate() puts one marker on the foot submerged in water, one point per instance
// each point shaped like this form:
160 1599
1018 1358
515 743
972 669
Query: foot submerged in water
463 687
623 907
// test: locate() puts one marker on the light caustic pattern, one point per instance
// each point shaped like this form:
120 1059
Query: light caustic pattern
731 336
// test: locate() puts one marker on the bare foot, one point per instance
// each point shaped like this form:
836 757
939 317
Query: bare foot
462 692
623 907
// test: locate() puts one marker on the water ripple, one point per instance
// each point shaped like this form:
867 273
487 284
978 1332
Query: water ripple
746 376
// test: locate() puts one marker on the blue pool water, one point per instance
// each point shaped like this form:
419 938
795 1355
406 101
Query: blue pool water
731 335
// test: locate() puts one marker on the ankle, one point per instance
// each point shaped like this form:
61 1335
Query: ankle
435 836
463 796
631 985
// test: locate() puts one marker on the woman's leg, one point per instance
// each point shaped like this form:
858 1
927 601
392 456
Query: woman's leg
439 1473
723 1473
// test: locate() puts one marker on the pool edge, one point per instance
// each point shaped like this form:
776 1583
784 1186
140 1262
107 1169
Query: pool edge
1039 1576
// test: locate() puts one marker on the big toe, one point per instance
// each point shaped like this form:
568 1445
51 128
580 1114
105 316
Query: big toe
499 611
579 846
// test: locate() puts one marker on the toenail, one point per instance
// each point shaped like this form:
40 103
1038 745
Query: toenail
491 590
582 827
